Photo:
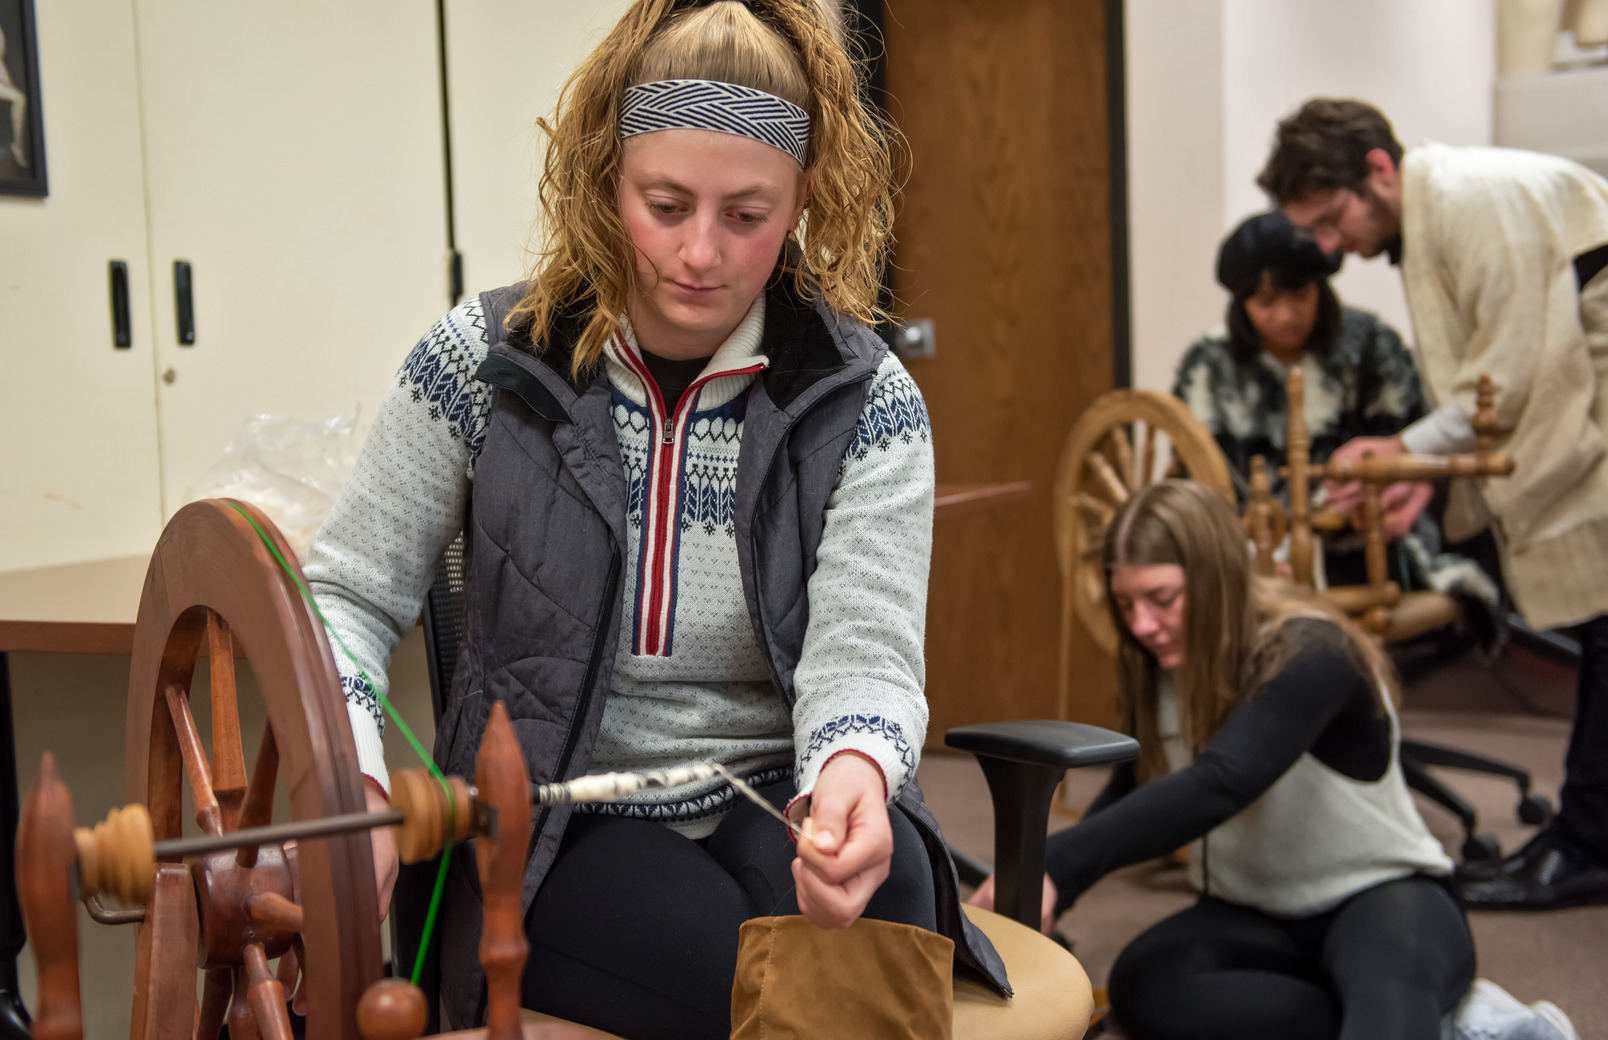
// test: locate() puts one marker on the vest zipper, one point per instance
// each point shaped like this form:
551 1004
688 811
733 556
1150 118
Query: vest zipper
573 735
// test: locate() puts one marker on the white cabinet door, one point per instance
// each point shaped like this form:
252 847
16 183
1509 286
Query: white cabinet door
78 446
505 65
294 159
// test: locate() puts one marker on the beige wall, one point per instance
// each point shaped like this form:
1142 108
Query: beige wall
1208 80
506 63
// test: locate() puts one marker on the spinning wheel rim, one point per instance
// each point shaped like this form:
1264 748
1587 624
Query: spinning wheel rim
1082 580
209 557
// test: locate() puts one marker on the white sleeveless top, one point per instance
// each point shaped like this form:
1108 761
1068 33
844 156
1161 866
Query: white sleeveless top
1313 839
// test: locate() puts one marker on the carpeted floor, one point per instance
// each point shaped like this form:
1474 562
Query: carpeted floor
1509 712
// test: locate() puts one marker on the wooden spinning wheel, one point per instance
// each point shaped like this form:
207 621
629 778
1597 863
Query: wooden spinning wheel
212 581
1125 440
231 900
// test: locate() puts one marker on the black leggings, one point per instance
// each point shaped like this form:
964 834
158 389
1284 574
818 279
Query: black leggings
634 930
1387 964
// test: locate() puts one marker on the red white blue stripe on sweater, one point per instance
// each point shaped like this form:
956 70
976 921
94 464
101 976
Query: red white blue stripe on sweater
663 499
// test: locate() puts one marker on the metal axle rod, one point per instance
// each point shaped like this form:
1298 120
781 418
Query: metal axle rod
276 833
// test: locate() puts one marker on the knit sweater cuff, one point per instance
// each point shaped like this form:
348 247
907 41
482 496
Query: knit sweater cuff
877 738
370 746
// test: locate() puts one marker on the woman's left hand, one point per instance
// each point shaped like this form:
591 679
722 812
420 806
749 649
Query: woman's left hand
846 846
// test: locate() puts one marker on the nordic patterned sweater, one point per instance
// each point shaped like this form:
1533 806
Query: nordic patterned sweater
690 681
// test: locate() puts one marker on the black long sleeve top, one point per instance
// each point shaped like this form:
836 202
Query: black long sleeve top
1320 702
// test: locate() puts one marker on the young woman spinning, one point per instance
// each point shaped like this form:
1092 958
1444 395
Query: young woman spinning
1268 735
697 496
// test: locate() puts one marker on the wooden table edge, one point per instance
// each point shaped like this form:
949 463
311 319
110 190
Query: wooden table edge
67 637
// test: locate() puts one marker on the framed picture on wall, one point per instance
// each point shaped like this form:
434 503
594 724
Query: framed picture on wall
22 127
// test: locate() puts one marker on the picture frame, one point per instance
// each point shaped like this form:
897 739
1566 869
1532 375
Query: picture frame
22 125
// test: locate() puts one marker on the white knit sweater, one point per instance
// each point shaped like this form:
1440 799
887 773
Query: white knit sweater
690 681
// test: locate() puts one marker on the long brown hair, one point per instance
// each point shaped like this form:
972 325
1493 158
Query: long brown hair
1234 622
786 47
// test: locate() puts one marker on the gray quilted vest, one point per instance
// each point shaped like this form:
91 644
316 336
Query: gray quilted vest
546 534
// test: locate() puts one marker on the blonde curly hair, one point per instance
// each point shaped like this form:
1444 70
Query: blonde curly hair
585 268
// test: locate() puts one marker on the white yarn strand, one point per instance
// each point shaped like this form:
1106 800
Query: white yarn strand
611 787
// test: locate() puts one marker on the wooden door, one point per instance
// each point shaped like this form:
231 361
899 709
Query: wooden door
1004 240
294 159
78 455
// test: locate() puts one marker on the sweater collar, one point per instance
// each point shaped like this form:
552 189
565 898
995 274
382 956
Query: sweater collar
729 370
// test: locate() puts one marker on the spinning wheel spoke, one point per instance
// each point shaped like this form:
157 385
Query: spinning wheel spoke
258 806
1122 456
1147 454
229 761
272 910
1106 478
242 1021
1095 509
290 975
266 996
207 812
215 996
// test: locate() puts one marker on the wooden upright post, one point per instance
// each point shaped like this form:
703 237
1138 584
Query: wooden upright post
1259 511
1299 452
505 787
47 864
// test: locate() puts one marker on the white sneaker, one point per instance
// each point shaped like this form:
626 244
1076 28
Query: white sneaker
1490 1012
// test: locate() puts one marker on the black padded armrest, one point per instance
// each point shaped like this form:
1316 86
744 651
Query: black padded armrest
1023 763
1068 745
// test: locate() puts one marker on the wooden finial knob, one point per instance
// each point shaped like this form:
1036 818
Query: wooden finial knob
391 1009
430 820
118 857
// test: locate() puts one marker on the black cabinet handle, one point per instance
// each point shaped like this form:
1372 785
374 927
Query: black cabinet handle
122 334
183 301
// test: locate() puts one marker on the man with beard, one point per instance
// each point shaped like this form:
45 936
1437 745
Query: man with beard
1502 255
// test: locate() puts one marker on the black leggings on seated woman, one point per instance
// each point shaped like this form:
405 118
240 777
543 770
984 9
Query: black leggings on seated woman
1387 964
634 930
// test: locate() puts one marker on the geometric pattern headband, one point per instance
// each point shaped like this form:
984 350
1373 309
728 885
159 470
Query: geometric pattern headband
702 104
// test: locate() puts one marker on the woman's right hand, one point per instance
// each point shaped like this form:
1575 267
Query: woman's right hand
984 898
385 858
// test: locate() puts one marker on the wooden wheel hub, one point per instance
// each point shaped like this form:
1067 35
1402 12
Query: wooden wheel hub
244 905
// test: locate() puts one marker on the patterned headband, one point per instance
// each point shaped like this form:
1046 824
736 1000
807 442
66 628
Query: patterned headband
702 104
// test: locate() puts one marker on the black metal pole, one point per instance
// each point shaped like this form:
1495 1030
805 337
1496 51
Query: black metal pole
14 1018
454 258
277 833
1117 167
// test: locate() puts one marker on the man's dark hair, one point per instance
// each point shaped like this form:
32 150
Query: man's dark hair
1324 147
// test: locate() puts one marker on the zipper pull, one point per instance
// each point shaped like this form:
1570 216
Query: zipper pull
669 432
